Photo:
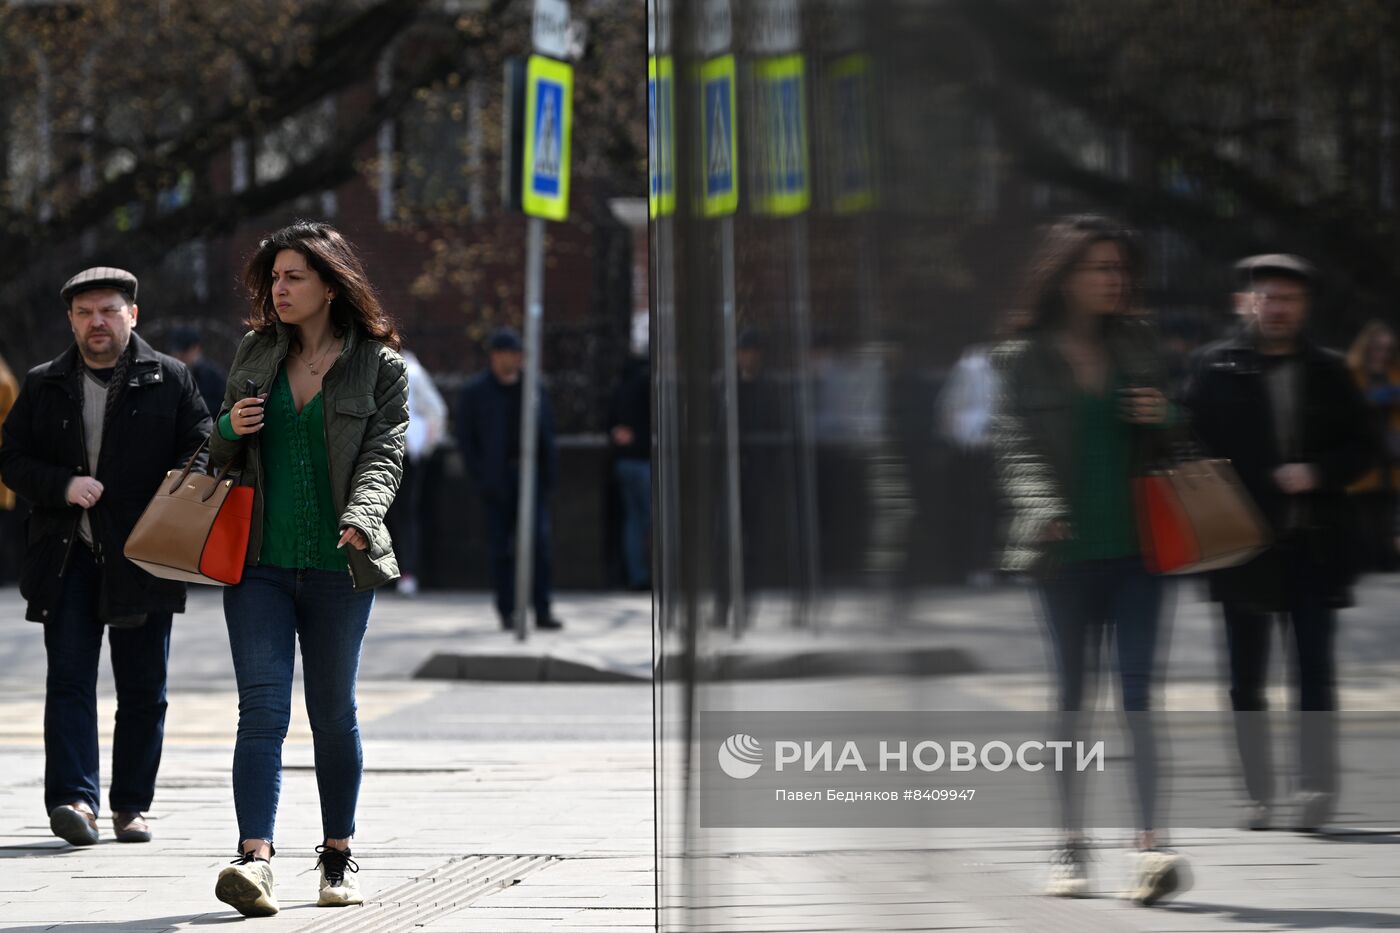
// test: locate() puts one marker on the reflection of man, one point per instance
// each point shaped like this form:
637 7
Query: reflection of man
488 430
210 379
90 438
1288 415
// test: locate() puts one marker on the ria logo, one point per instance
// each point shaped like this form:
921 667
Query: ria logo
741 756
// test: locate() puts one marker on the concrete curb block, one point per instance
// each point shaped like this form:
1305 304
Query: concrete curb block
523 668
735 665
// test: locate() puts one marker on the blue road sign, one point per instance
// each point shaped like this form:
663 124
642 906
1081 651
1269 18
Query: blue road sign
549 92
785 183
720 148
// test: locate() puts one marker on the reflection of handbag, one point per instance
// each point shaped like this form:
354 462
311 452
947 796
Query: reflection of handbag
195 528
1197 516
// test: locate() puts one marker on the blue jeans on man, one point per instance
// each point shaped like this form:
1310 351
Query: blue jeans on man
501 520
73 643
634 481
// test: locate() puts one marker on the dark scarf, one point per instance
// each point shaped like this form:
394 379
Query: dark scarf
116 385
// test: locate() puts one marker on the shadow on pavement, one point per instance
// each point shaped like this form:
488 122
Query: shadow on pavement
56 847
1293 919
151 925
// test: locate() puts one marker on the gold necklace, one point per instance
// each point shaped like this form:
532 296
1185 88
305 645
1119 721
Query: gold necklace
312 366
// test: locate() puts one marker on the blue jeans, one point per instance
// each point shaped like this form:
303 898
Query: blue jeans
266 614
634 480
501 516
1083 601
73 642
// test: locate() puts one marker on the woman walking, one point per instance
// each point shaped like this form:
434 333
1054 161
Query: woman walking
1082 381
317 405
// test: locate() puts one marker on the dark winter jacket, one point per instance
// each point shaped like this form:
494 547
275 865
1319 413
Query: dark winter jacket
630 407
487 421
159 424
1228 400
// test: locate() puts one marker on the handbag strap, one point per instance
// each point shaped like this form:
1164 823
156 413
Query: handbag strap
1166 446
189 465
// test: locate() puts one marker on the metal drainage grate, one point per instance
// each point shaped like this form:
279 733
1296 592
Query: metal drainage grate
433 895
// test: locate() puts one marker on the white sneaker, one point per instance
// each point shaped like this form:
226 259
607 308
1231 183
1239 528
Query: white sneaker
1158 875
338 889
246 886
1069 873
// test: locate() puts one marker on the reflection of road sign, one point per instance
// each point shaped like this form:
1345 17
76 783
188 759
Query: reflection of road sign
853 178
716 27
784 182
661 139
548 125
775 26
720 148
550 28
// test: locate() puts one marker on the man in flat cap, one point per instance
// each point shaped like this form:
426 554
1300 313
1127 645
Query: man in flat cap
91 436
488 432
1288 415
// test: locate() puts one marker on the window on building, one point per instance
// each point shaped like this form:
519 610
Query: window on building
440 155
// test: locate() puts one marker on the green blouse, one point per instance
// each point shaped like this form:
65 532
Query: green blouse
300 522
1101 498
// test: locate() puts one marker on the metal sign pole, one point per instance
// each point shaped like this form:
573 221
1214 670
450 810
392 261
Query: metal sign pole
738 615
529 426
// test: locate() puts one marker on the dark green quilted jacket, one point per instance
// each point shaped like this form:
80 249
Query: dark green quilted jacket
1033 428
365 396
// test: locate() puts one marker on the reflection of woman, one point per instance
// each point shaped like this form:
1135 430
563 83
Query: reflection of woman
323 436
1082 379
1372 360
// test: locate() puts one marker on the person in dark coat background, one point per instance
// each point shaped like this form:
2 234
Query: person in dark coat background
488 432
185 346
87 443
629 429
1289 416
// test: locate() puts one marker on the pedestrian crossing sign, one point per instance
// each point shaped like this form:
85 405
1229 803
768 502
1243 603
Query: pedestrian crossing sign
784 180
548 125
718 143
853 169
661 141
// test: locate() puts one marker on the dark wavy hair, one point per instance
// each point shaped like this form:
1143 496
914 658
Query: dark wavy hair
356 304
1041 303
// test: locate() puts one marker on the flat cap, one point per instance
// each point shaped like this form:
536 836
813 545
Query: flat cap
99 277
1283 264
504 338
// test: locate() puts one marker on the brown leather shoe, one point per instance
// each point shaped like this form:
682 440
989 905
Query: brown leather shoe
131 827
74 823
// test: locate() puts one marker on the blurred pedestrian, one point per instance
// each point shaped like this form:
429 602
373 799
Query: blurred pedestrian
187 347
1290 418
488 432
1373 364
629 430
1082 380
427 426
88 441
10 527
316 410
965 408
